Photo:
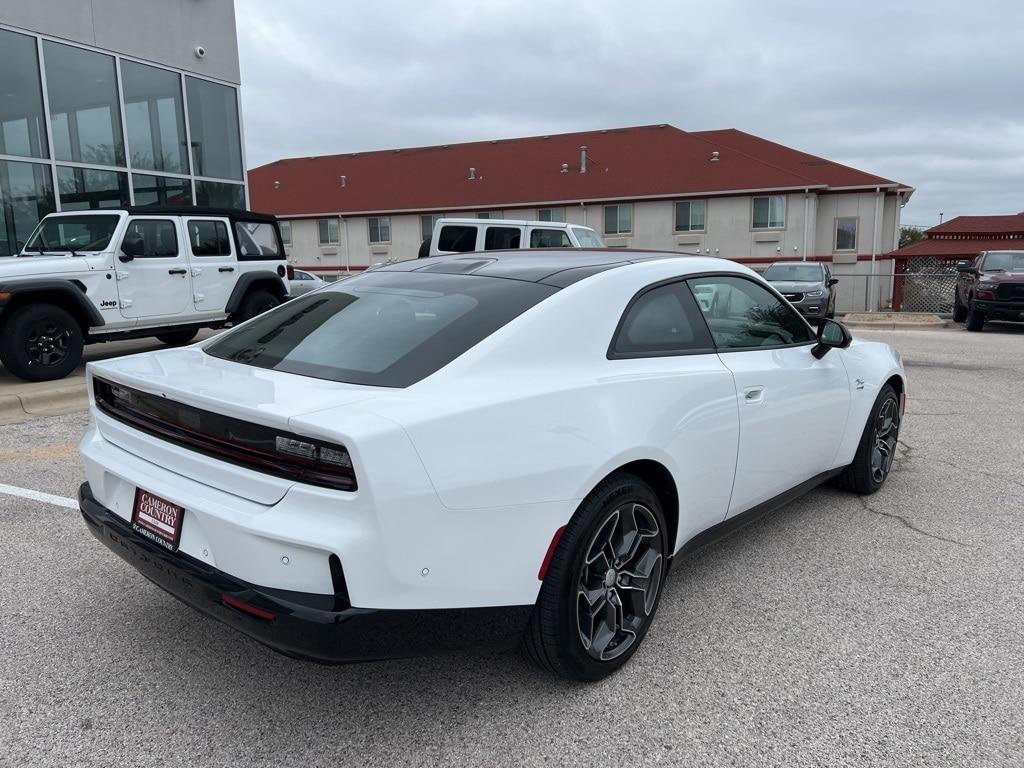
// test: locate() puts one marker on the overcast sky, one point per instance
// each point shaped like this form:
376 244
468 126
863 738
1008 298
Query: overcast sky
928 93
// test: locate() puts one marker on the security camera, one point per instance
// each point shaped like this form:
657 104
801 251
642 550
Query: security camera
200 52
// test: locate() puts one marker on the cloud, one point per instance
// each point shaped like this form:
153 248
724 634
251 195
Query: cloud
925 93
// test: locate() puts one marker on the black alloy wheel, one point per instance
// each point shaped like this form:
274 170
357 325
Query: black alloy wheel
876 451
884 435
41 342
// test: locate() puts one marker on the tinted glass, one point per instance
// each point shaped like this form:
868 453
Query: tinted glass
769 212
618 219
83 189
328 231
549 238
794 273
690 216
214 194
84 108
380 229
208 238
587 238
257 240
159 237
387 329
22 131
161 190
77 233
427 226
846 233
663 320
26 196
213 123
457 237
502 238
154 117
742 314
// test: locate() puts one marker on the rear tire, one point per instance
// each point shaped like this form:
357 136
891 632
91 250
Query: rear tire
959 310
41 342
975 318
603 583
877 448
178 338
256 302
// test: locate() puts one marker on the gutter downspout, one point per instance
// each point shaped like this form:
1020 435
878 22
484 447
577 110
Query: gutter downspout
876 239
807 212
584 209
348 251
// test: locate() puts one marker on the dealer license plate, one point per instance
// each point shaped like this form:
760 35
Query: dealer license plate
157 519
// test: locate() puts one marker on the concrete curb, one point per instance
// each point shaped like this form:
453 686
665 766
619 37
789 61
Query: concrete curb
53 400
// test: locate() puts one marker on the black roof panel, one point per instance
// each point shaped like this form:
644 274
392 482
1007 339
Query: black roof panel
195 210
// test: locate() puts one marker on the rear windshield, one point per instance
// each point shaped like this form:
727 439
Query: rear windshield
588 238
73 233
793 273
257 240
385 329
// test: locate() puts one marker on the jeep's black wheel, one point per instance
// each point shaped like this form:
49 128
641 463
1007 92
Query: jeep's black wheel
41 342
603 583
959 310
256 302
177 338
975 320
877 448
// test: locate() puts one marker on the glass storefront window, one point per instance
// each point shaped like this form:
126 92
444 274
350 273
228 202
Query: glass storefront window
26 196
22 129
155 118
84 188
215 194
213 123
84 110
159 190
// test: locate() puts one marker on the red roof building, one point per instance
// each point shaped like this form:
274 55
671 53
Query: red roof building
966 236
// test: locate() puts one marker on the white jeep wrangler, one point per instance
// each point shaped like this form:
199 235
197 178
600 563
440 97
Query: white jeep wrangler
111 274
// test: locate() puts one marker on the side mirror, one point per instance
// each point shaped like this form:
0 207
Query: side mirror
133 245
831 335
833 281
964 266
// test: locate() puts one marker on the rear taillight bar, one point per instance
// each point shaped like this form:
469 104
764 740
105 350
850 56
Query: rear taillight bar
264 449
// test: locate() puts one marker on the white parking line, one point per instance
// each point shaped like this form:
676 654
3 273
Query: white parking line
48 498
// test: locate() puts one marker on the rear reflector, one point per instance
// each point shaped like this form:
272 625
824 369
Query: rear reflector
244 607
550 553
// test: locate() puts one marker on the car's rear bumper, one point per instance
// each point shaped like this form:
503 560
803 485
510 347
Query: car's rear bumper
322 628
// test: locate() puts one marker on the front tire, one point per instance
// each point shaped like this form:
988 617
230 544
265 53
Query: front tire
41 342
177 338
603 583
975 318
959 310
877 448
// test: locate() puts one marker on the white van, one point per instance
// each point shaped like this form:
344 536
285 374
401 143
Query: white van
468 235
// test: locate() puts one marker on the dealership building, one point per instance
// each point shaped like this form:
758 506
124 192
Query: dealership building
105 103
722 193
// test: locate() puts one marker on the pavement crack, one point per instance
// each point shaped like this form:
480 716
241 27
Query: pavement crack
907 524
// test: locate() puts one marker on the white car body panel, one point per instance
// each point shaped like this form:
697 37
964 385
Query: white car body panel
465 476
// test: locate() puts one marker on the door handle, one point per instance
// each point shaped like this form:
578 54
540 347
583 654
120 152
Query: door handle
176 271
225 269
753 395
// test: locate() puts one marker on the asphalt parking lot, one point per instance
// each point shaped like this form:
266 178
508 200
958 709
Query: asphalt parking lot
839 631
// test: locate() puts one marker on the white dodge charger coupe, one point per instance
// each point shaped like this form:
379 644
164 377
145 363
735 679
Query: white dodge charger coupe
477 451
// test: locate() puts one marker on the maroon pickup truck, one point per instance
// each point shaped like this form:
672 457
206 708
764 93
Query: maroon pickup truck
991 287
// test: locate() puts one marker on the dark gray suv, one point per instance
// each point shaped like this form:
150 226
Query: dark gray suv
807 285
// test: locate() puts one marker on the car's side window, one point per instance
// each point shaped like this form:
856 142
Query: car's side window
208 238
159 237
502 238
661 321
743 314
460 238
550 238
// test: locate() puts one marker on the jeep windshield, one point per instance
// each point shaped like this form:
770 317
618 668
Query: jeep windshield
793 273
71 234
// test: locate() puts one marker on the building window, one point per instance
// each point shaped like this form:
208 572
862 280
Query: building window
161 190
84 109
690 215
328 229
216 194
380 229
22 125
26 196
618 219
768 212
83 189
427 225
846 233
213 124
286 232
491 215
551 214
154 117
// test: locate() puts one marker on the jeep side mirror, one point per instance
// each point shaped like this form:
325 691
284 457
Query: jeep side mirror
132 246
831 335
832 281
